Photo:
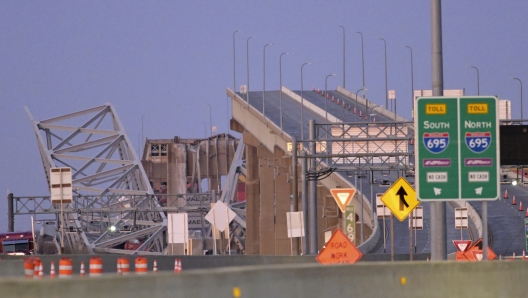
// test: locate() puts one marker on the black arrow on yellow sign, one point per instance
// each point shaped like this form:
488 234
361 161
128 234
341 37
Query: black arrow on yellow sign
402 193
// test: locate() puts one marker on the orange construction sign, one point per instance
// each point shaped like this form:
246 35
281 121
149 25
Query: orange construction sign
343 196
474 253
339 250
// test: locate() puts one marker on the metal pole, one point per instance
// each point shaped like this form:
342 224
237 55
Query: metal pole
304 186
210 121
412 83
313 193
362 63
234 77
362 227
343 56
411 236
280 88
295 191
438 209
484 230
478 79
386 87
355 118
326 94
247 63
264 81
521 99
10 213
142 139
302 101
392 236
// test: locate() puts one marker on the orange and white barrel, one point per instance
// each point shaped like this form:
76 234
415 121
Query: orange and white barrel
65 268
141 265
29 268
123 266
38 268
96 266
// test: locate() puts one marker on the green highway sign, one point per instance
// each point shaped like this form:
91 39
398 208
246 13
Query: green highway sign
457 148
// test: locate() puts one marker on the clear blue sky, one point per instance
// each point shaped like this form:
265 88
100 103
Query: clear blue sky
168 59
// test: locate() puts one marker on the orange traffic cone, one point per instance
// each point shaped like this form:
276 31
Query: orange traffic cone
176 268
82 272
523 256
155 267
354 110
338 101
506 194
349 107
514 202
526 215
313 88
318 90
520 206
52 270
333 99
500 257
327 96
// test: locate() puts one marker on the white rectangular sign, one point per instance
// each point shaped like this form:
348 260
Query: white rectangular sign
61 185
220 216
295 224
178 230
381 209
461 218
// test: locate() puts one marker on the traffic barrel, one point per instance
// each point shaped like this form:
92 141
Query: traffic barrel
65 268
37 268
506 194
141 265
177 266
29 268
123 266
82 271
96 266
514 202
52 270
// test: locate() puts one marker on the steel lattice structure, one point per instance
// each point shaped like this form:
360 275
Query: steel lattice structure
106 169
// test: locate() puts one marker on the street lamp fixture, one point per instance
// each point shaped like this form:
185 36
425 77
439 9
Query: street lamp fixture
302 100
343 56
521 96
386 88
247 63
280 89
478 79
326 92
362 62
264 81
412 83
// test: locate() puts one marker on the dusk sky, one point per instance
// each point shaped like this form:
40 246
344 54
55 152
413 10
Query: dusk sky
168 60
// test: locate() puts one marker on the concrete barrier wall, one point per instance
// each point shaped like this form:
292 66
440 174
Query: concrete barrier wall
417 279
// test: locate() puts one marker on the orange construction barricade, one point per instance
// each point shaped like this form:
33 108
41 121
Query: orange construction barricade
123 266
141 265
96 266
65 268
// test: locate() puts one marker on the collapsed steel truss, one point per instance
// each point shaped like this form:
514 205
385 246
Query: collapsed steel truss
107 176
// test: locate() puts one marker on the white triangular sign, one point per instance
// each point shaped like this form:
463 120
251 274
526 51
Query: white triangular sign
343 196
462 246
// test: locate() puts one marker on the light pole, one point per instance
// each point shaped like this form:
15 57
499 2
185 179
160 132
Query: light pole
386 88
343 56
234 78
478 79
326 92
521 96
247 63
205 130
280 88
141 132
362 63
412 83
302 101
355 107
264 81
210 121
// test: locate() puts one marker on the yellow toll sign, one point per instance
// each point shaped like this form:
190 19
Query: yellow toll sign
400 198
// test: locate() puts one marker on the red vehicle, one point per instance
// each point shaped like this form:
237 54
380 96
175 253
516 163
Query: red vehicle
17 243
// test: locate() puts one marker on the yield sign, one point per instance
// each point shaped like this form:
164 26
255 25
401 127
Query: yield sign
474 253
343 196
339 250
400 198
462 245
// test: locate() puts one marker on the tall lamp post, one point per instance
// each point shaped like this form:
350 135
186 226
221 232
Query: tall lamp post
343 56
142 139
302 101
210 121
478 79
264 81
386 88
355 107
412 83
521 96
247 63
234 77
326 92
362 62
280 88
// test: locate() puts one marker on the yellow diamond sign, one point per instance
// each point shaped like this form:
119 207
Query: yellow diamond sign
400 198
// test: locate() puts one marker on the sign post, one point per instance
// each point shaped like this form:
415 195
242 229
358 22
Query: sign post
61 193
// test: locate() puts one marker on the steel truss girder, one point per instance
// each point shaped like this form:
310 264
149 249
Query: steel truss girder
93 142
